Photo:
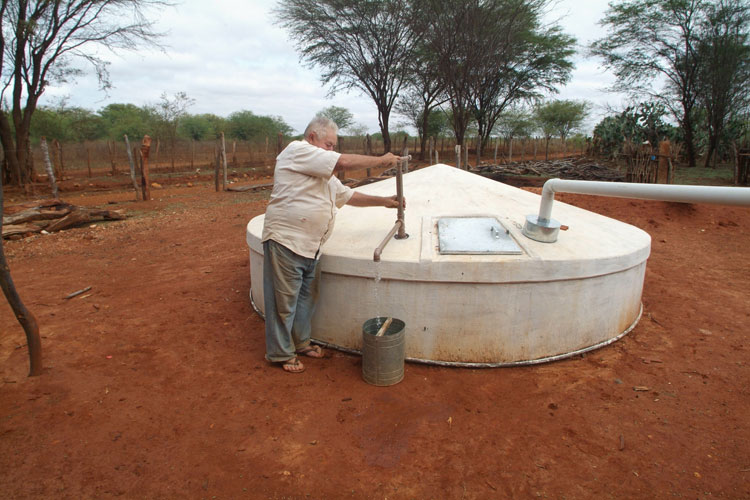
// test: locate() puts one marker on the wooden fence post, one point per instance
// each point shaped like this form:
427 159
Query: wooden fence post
145 150
234 153
131 162
223 163
111 147
664 170
458 156
48 167
216 168
88 160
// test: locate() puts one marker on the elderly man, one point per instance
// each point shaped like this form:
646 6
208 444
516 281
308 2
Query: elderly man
299 219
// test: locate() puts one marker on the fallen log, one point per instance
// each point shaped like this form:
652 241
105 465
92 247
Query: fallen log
80 216
51 215
20 229
38 213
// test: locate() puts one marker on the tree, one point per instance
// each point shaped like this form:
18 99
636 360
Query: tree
512 123
424 89
340 116
66 124
246 126
724 73
199 127
424 92
169 113
127 119
650 41
361 45
23 315
525 59
559 117
39 41
535 61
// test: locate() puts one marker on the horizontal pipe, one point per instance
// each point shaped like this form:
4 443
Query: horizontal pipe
721 195
379 250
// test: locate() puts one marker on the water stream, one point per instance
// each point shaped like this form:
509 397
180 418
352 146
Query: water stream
376 297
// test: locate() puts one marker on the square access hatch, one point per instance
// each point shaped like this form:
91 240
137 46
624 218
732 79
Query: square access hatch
475 235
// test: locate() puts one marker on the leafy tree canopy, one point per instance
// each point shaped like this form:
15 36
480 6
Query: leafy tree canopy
340 116
121 119
246 126
560 117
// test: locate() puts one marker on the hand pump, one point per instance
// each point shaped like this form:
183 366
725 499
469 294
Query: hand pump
399 229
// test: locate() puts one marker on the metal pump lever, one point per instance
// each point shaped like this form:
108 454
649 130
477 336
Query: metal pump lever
398 229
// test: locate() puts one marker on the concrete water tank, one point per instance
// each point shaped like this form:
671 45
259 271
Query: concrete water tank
471 288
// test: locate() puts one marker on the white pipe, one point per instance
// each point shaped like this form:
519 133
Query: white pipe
662 192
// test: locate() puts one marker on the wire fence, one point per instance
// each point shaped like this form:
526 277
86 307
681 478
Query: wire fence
184 155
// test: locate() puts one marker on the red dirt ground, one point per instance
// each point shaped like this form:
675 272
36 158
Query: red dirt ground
155 384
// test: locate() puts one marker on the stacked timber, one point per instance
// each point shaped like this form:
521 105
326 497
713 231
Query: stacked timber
50 216
569 168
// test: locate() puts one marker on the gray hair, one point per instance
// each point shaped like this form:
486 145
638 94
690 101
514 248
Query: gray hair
321 125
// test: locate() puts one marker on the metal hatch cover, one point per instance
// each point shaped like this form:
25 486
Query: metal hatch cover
475 235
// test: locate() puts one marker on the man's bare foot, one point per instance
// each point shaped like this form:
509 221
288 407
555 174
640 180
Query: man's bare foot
312 351
293 365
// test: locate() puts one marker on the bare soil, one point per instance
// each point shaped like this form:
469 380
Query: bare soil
155 384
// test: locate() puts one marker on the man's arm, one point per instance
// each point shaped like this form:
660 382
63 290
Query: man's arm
367 200
361 162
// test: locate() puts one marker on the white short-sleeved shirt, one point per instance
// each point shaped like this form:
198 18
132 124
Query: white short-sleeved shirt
304 200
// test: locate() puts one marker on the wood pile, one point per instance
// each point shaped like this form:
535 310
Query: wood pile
50 216
569 168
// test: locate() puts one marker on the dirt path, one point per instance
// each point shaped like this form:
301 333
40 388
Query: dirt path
155 384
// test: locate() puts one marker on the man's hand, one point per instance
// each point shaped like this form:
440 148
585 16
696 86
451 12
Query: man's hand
390 160
392 202
367 200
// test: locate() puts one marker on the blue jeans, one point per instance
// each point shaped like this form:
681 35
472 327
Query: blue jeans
290 291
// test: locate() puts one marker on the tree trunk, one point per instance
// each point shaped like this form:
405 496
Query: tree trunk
48 166
23 315
173 153
145 150
687 128
132 166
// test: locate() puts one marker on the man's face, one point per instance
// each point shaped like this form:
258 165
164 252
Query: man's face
326 141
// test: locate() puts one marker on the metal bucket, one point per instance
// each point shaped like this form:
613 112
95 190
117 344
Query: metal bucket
383 357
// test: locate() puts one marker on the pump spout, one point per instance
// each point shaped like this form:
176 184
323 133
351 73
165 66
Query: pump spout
398 226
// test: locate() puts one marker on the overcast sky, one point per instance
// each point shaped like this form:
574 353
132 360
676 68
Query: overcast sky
229 56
